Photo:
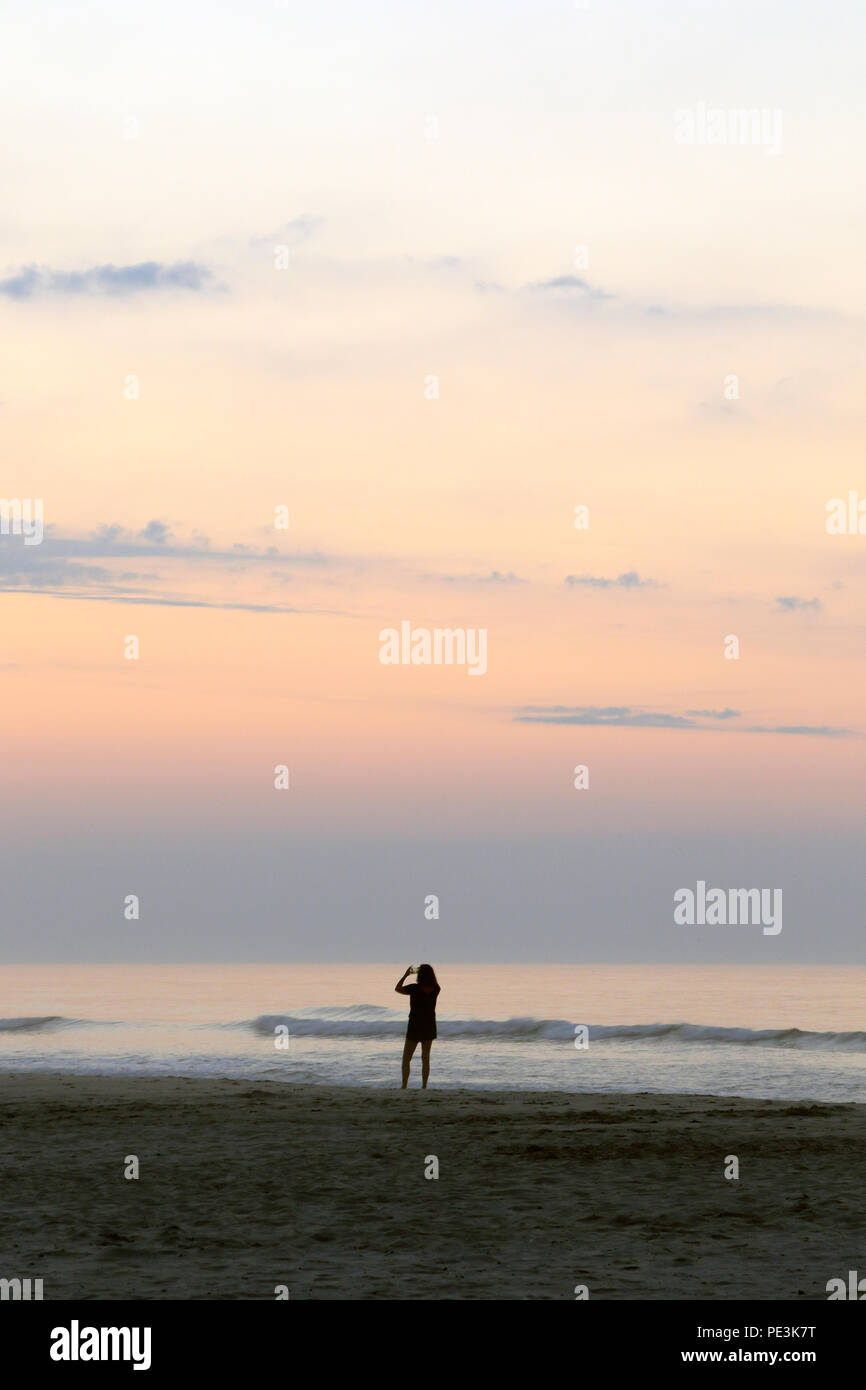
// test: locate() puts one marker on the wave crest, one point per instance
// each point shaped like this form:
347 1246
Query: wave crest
371 1021
31 1025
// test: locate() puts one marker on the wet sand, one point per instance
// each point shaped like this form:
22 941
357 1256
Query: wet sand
246 1186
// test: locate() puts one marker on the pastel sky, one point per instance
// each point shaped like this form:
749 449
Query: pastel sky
511 289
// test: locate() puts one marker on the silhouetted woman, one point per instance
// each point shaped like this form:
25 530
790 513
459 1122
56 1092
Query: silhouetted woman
422 1018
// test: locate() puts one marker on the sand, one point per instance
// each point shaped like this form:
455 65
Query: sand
247 1186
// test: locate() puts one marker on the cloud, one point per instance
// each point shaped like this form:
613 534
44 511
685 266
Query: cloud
573 289
625 717
610 716
25 568
809 730
32 281
170 602
791 603
494 577
630 580
763 313
53 589
156 539
63 564
293 233
571 284
155 531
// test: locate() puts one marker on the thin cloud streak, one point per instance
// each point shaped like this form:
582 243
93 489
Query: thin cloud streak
630 580
804 730
33 281
153 540
293 233
792 603
624 717
136 599
610 716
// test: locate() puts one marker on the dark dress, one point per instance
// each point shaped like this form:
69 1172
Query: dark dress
422 1014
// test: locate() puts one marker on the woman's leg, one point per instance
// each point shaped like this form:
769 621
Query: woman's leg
425 1061
407 1058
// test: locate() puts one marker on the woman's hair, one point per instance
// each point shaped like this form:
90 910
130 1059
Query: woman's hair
427 975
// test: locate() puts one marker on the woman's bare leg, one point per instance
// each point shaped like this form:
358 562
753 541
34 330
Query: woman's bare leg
408 1050
425 1061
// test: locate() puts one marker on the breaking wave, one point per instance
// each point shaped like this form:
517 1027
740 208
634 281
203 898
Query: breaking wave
33 1025
371 1021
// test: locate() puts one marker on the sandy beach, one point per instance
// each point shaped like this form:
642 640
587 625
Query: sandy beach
246 1186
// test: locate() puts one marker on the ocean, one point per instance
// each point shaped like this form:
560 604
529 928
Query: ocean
793 1032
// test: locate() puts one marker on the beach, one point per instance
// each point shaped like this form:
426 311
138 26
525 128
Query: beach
247 1188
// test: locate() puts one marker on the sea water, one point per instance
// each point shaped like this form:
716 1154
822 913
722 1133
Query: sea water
792 1032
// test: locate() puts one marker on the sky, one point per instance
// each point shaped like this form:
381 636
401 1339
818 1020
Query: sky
420 282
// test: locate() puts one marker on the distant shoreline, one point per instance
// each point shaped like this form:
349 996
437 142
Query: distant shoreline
246 1186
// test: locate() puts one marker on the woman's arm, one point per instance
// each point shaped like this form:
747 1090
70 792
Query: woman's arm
398 988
